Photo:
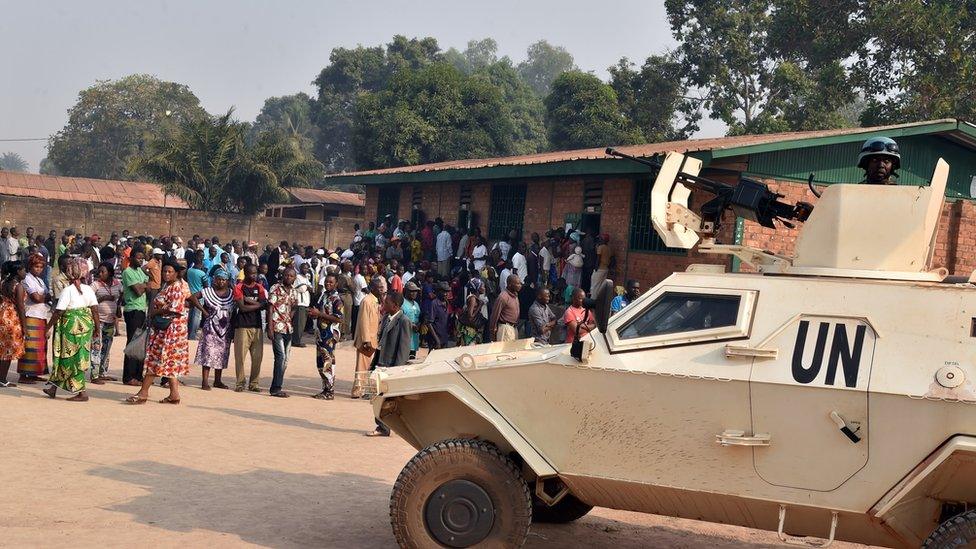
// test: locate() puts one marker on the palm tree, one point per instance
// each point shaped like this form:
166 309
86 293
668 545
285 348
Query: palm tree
12 162
211 166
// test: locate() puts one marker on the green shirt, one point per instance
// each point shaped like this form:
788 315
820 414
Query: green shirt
132 301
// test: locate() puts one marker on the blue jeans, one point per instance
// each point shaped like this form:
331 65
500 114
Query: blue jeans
194 323
281 345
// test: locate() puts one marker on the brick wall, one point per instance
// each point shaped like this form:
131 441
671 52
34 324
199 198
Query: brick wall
90 218
372 202
618 197
405 206
567 198
538 208
449 202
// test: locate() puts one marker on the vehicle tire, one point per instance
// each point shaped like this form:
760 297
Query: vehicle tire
459 493
955 533
566 510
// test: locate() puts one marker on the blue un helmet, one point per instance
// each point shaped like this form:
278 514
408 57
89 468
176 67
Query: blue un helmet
879 146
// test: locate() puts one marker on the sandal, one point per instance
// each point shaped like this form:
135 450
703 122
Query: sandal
220 385
136 399
169 400
26 380
5 384
51 391
377 433
78 398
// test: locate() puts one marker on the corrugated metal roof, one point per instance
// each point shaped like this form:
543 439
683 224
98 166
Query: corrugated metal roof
78 189
646 150
323 196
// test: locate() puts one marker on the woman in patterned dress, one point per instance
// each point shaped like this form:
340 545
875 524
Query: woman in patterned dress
167 349
36 297
12 318
216 333
75 322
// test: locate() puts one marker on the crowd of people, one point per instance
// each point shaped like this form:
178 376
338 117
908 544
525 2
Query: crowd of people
395 289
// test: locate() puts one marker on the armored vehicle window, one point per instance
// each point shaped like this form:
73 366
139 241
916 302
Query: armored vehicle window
680 312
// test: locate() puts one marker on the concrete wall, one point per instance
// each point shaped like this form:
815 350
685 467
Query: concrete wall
90 218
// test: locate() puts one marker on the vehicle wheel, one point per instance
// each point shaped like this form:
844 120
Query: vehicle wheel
459 493
955 533
567 510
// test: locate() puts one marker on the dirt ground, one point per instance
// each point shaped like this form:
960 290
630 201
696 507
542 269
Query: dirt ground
229 469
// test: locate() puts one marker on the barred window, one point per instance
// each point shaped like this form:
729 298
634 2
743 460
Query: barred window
507 210
388 204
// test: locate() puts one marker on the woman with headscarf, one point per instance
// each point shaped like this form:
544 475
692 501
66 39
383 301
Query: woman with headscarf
37 296
75 322
216 333
573 271
167 349
12 319
108 291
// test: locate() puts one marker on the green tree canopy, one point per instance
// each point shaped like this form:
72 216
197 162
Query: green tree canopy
527 110
12 162
920 63
113 120
209 163
582 112
350 74
654 98
429 115
290 116
544 62
766 65
479 55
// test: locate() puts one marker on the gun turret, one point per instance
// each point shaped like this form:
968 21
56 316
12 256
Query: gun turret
749 199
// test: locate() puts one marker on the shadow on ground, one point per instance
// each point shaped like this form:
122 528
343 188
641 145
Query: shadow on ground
279 420
604 532
261 506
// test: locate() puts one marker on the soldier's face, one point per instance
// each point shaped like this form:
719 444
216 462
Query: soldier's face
879 168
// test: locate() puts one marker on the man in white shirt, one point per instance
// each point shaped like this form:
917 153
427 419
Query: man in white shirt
519 264
303 293
444 252
179 252
358 293
479 253
408 273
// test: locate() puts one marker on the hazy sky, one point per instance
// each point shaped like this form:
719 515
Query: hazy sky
239 52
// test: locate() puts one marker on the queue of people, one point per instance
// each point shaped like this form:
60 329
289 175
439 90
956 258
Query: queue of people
395 289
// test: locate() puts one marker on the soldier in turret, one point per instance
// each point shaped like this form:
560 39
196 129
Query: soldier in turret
879 159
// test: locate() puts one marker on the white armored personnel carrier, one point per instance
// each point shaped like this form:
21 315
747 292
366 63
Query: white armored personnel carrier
825 396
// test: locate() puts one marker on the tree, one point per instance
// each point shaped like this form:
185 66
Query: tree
582 112
544 62
526 109
113 120
756 75
209 163
290 116
920 63
350 74
654 98
12 162
479 55
48 168
431 115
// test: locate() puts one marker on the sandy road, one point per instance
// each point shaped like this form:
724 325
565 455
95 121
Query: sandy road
229 469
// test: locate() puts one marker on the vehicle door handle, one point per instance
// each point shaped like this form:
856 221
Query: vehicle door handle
733 437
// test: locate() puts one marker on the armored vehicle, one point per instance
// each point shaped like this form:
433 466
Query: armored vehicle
825 396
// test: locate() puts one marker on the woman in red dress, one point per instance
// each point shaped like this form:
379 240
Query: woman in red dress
167 351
